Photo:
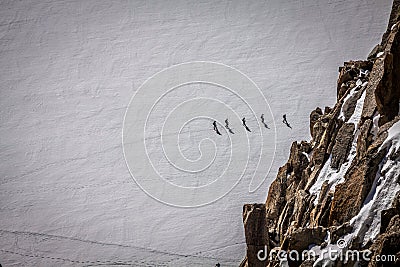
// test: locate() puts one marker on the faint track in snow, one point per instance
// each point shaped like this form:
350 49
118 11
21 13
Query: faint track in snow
51 236
84 263
43 257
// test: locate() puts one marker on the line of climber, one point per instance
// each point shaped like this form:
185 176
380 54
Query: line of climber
284 121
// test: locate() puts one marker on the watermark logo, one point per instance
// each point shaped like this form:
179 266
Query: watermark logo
341 243
340 252
170 139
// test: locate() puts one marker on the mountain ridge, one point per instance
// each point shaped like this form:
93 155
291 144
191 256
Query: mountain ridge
336 186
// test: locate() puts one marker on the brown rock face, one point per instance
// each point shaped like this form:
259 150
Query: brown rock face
301 238
314 116
350 195
342 145
375 79
337 232
387 93
387 243
393 19
290 178
256 233
388 214
364 139
309 198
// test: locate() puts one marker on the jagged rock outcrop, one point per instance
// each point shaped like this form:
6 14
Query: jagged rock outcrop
388 241
256 232
342 146
301 238
320 192
349 72
387 93
350 195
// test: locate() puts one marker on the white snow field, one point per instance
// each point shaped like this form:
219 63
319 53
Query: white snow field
68 72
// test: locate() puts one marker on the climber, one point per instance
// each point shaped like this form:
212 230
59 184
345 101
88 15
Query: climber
244 124
227 126
216 128
286 122
218 265
284 119
263 121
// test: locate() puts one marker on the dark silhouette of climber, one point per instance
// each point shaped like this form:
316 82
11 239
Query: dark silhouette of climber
263 121
244 124
286 122
216 128
218 265
227 126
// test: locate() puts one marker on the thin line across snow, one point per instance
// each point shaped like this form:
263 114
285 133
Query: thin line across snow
117 245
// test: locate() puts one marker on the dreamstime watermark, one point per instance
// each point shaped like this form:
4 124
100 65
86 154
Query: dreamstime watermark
340 252
169 144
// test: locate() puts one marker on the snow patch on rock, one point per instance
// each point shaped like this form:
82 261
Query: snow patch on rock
334 176
383 191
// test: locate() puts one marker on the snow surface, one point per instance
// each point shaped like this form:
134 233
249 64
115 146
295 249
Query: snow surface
355 118
375 125
357 112
393 139
69 69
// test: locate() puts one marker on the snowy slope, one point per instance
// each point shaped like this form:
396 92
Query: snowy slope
69 70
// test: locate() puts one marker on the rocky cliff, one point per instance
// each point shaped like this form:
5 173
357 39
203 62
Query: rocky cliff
343 184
